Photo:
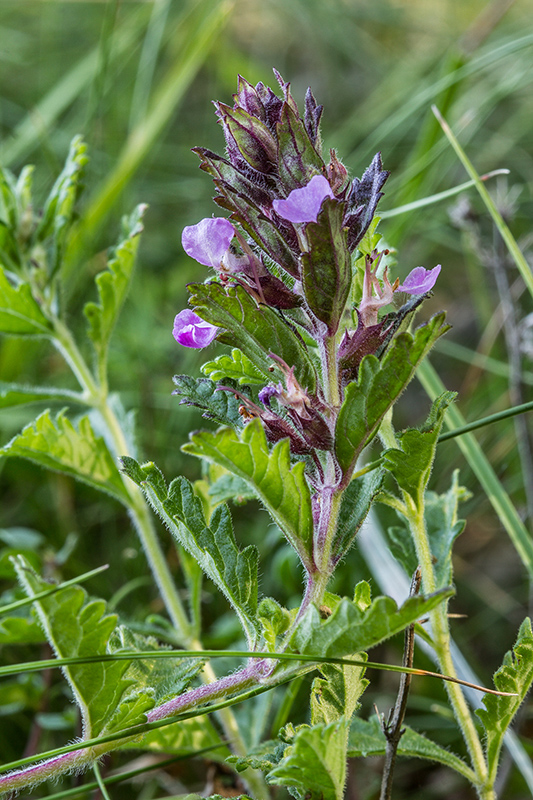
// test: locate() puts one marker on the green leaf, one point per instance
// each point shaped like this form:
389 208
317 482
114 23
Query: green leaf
213 546
113 284
58 445
367 739
411 466
352 630
20 314
255 329
443 527
221 406
327 266
355 505
229 487
58 211
166 677
283 489
236 366
314 765
15 394
515 675
337 693
187 736
20 630
76 626
379 385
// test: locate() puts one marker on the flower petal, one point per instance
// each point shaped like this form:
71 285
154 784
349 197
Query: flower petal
190 330
420 280
303 205
208 241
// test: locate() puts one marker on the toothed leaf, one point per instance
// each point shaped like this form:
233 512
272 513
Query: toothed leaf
411 465
515 675
283 489
113 284
314 765
379 385
20 314
58 445
213 545
255 329
220 406
236 366
77 626
352 630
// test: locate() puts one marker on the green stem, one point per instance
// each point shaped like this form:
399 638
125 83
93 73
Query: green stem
441 645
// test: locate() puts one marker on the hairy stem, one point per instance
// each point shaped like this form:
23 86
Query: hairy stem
441 644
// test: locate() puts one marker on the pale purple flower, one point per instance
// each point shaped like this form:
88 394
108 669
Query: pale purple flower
208 241
420 280
190 330
303 205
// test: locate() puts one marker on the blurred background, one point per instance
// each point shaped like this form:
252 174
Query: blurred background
136 79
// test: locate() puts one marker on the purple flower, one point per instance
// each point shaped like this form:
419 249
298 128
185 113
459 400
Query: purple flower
192 331
208 241
303 205
420 280
269 391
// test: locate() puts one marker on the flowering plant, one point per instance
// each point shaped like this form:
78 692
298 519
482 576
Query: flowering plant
323 344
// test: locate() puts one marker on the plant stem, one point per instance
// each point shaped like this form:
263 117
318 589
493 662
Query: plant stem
441 645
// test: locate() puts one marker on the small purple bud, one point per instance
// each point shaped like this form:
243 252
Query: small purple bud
269 391
420 280
208 241
192 331
303 205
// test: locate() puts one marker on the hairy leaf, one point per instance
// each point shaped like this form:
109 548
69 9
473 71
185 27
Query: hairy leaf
255 329
77 626
213 545
443 527
337 693
59 207
297 157
20 314
327 266
352 630
380 383
515 675
355 505
220 406
113 284
283 489
236 366
367 739
411 466
58 445
314 765
363 198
